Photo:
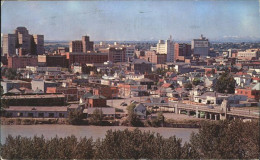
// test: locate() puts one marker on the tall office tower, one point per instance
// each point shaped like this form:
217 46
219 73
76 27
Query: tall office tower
22 41
181 51
75 46
87 44
200 46
38 44
9 44
130 51
166 47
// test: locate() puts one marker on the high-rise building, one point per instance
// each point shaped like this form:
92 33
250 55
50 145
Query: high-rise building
75 46
166 47
181 51
200 47
130 51
84 45
87 44
39 44
9 44
22 41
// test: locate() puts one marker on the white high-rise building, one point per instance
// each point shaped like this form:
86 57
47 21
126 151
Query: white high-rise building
166 47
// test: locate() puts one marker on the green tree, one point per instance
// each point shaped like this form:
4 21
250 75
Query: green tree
11 73
75 117
97 117
227 140
188 86
225 83
132 118
196 81
1 91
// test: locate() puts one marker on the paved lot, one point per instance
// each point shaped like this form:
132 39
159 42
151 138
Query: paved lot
116 102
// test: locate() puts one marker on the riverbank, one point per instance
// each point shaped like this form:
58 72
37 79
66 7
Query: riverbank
96 132
172 123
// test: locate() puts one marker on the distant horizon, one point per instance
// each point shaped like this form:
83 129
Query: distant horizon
233 20
155 41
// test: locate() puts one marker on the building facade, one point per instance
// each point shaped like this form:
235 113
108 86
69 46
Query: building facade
22 61
249 54
153 57
200 47
75 46
83 58
181 51
166 47
116 55
84 45
23 42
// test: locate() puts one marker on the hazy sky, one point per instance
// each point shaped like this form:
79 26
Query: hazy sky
134 20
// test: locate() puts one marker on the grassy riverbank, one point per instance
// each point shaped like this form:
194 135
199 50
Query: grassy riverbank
38 121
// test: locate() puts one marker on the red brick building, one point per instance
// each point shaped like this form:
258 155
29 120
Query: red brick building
252 91
181 51
53 60
107 91
22 61
117 54
83 58
153 57
96 101
71 93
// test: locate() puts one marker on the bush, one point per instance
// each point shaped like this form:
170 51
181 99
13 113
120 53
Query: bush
75 117
227 140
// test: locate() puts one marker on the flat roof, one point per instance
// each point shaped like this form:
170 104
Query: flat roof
33 96
38 108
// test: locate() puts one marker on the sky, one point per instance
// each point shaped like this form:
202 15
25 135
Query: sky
134 20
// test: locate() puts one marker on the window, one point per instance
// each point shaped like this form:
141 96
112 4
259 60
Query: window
61 115
41 115
30 114
20 114
51 115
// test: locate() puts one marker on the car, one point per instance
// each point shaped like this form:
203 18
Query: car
123 104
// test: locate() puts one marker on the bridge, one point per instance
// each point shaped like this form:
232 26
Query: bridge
216 112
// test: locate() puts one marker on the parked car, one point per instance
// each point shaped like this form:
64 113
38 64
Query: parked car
123 104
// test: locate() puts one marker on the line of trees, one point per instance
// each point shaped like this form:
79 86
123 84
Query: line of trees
221 140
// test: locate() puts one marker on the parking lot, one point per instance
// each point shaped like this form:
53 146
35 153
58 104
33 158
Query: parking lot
116 102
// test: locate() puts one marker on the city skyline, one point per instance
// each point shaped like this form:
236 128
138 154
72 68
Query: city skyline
135 21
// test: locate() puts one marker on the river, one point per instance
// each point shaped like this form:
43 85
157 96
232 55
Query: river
49 131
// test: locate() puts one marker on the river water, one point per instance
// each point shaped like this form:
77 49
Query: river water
49 131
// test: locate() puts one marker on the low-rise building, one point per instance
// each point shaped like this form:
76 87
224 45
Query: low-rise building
252 91
140 111
141 66
22 61
11 84
42 84
106 112
37 111
34 100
